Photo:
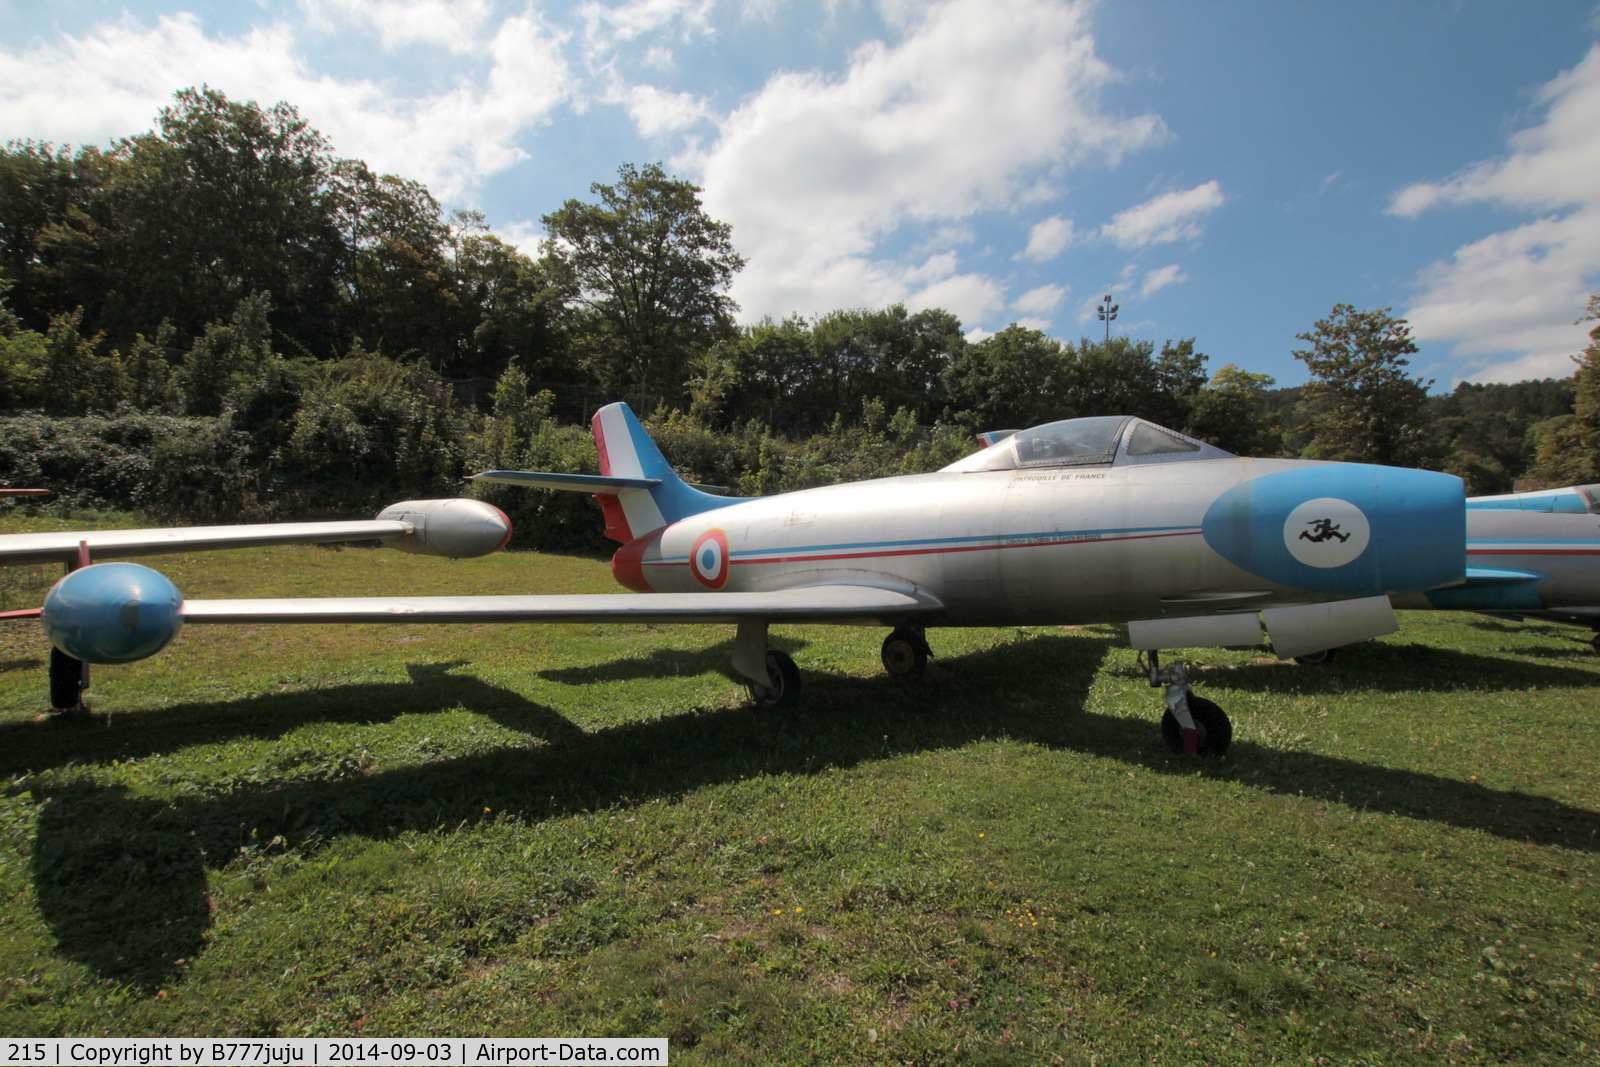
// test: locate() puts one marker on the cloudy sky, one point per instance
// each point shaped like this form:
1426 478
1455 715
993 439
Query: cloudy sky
1228 170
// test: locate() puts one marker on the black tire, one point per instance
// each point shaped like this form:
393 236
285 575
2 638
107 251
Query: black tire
783 682
1211 724
904 654
1316 659
66 681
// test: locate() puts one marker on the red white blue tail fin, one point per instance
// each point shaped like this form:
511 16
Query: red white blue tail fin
637 488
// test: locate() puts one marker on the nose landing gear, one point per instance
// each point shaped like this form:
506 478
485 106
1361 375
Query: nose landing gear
1191 725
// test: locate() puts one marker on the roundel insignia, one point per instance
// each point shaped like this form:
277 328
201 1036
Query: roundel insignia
708 559
1326 532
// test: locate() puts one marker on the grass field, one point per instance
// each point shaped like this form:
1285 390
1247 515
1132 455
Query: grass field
586 831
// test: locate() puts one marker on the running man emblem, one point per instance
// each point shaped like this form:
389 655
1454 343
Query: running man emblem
1323 530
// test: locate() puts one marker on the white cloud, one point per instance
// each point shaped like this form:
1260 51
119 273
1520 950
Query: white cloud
970 297
934 268
1169 217
522 235
1031 323
1040 301
1159 279
452 24
963 115
1048 239
607 27
114 80
1518 291
656 112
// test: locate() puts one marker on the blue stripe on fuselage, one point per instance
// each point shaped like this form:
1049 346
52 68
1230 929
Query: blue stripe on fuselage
980 541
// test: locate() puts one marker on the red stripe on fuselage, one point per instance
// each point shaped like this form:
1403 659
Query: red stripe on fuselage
932 551
1533 551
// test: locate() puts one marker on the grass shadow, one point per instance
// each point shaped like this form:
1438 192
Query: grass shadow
121 883
31 747
1397 668
87 889
664 663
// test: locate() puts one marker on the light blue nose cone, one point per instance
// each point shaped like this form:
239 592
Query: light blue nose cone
1347 529
112 613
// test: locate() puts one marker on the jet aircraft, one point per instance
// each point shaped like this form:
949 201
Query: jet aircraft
1535 555
1096 520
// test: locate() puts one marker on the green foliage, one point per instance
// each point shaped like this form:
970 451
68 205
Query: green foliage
1488 429
370 432
228 362
1570 454
193 470
1011 380
1232 413
150 381
1378 413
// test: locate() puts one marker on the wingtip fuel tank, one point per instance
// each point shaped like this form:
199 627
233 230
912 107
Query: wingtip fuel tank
458 528
112 613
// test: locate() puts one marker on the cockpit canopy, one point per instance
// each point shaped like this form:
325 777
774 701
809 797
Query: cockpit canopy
1104 440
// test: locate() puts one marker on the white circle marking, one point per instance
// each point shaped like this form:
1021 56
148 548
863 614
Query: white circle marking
1326 532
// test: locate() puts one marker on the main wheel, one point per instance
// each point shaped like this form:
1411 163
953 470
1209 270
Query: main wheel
1215 732
783 682
1316 659
904 653
66 681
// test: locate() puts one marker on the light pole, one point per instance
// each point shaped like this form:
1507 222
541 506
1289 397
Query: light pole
1108 314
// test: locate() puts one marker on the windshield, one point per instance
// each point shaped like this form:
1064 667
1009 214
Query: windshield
1071 442
1087 442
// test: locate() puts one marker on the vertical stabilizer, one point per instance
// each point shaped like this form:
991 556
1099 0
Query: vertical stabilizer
626 451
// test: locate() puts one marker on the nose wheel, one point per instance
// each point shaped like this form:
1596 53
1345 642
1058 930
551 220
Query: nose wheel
1191 725
1213 731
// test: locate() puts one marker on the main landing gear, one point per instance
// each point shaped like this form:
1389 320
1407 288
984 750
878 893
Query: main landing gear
906 652
782 687
772 677
1192 724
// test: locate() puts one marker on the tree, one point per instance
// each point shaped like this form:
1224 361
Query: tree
782 381
1011 380
649 266
1378 412
226 200
228 362
518 309
41 187
889 354
1570 454
1229 413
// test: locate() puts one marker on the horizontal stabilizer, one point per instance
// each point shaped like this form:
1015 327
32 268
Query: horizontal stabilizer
821 603
1484 576
1492 589
578 483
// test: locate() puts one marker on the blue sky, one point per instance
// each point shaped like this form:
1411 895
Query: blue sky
1228 170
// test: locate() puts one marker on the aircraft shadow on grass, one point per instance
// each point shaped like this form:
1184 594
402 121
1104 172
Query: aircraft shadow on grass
433 687
1410 668
122 880
665 663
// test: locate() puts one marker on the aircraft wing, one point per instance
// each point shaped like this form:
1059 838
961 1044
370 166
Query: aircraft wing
817 603
63 547
457 528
